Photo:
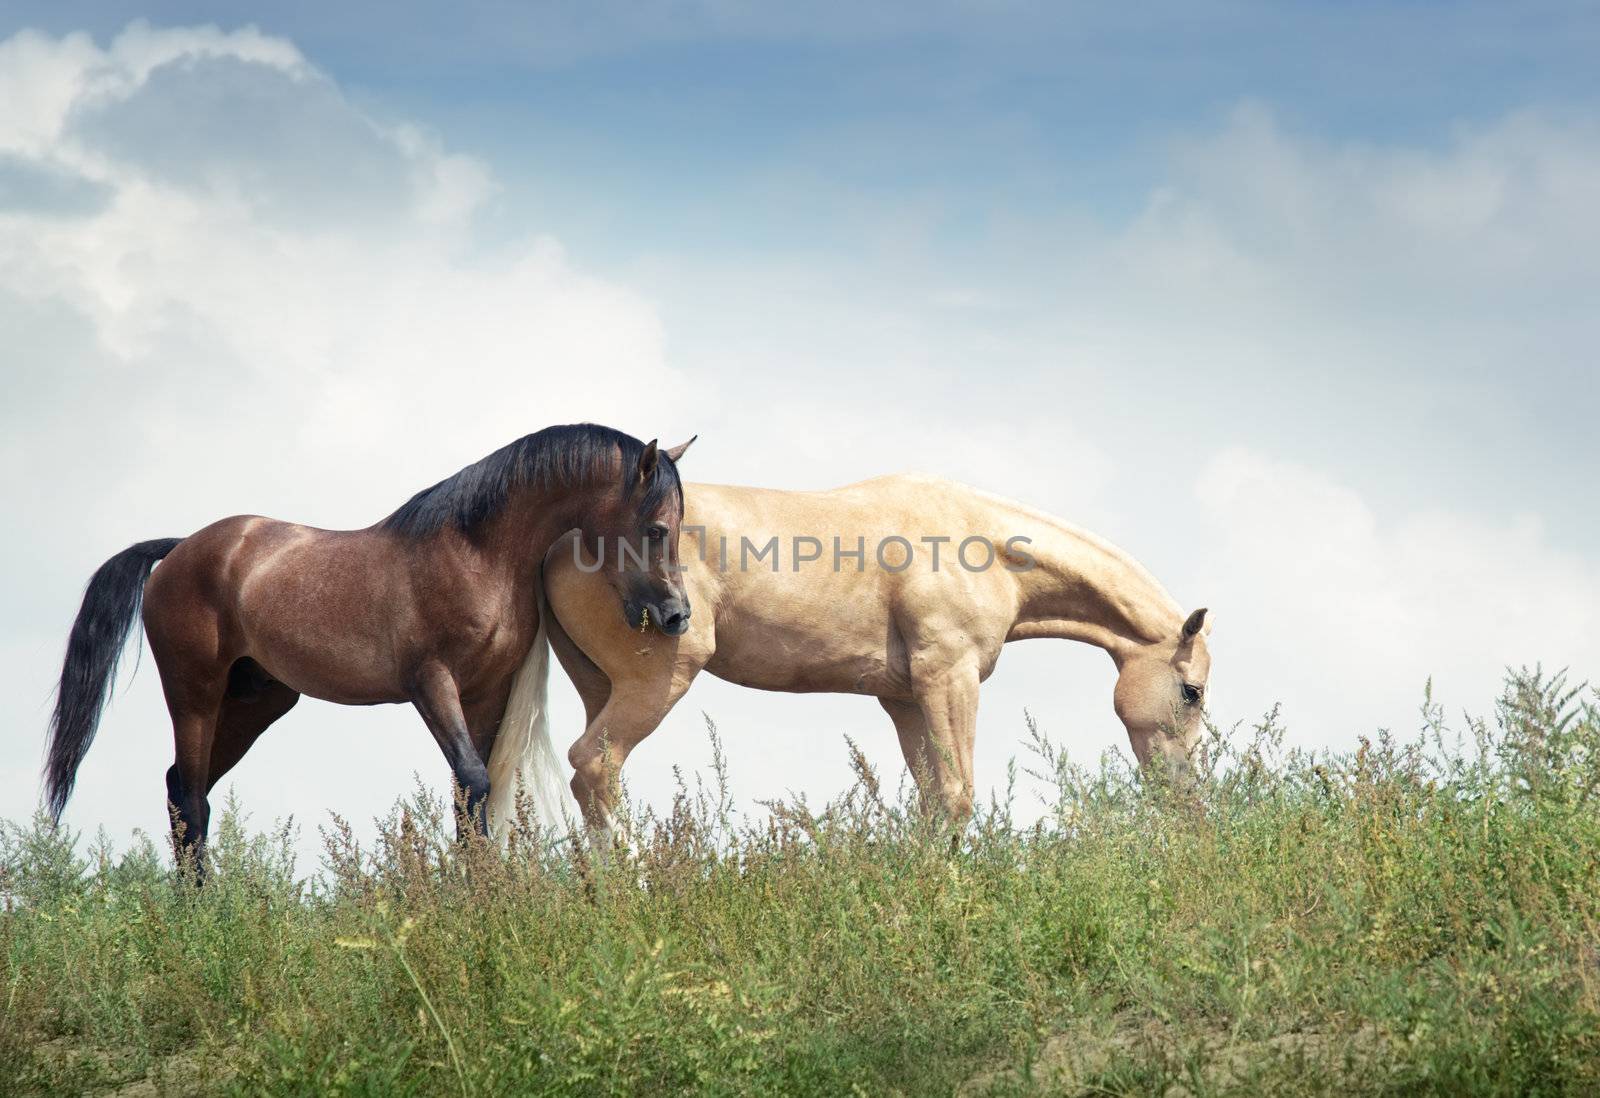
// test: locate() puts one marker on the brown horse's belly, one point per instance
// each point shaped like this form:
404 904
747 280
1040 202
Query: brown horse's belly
305 678
313 610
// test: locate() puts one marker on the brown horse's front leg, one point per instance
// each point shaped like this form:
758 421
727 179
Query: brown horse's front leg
438 699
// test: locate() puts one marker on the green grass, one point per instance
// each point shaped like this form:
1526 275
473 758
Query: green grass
1416 918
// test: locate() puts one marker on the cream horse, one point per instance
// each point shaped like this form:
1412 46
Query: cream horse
902 587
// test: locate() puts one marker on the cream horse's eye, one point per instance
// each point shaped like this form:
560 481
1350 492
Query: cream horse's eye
1192 693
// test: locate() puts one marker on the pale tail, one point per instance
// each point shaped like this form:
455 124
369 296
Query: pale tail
523 757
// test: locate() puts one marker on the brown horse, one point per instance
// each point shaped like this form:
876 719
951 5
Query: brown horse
437 605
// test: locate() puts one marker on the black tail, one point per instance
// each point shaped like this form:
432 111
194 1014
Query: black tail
109 606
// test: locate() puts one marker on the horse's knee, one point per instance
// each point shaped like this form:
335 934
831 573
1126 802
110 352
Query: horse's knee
579 753
588 769
598 756
596 765
953 800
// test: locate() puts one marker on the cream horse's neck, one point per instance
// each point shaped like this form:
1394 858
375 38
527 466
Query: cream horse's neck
1083 588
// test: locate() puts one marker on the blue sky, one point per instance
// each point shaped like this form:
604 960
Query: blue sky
1293 301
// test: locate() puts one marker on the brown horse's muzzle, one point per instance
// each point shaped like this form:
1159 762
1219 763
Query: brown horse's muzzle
669 615
673 619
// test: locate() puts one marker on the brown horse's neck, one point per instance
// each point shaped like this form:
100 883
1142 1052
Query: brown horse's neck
1083 588
515 541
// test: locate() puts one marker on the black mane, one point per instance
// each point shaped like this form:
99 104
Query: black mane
556 457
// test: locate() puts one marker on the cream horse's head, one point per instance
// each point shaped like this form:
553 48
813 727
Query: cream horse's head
1160 696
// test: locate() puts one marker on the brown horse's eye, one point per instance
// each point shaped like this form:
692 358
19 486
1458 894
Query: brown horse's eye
656 533
1191 693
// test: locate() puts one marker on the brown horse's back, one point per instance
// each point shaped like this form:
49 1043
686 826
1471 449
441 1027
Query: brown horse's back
297 600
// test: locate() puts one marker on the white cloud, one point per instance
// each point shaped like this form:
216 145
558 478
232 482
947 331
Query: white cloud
1391 346
1343 616
1355 268
44 79
1492 210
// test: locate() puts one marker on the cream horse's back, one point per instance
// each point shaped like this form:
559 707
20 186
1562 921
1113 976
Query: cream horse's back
845 622
902 587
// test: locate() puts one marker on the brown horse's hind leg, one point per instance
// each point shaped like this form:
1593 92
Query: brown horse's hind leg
246 712
188 639
194 698
193 730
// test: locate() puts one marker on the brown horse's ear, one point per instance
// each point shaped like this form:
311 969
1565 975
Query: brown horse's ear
1196 622
676 452
647 461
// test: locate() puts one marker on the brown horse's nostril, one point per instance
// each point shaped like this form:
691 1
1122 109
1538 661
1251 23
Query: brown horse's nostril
675 621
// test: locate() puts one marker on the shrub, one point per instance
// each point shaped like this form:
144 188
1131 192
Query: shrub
1416 917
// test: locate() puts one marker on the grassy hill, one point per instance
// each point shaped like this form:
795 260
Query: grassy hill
1420 917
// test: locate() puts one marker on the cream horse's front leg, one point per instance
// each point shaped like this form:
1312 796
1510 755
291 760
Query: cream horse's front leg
937 733
597 756
647 676
626 697
629 678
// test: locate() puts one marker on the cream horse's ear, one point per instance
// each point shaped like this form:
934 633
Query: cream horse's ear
1196 622
676 452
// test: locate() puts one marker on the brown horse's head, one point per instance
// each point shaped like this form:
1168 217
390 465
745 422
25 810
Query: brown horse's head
1160 696
635 539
